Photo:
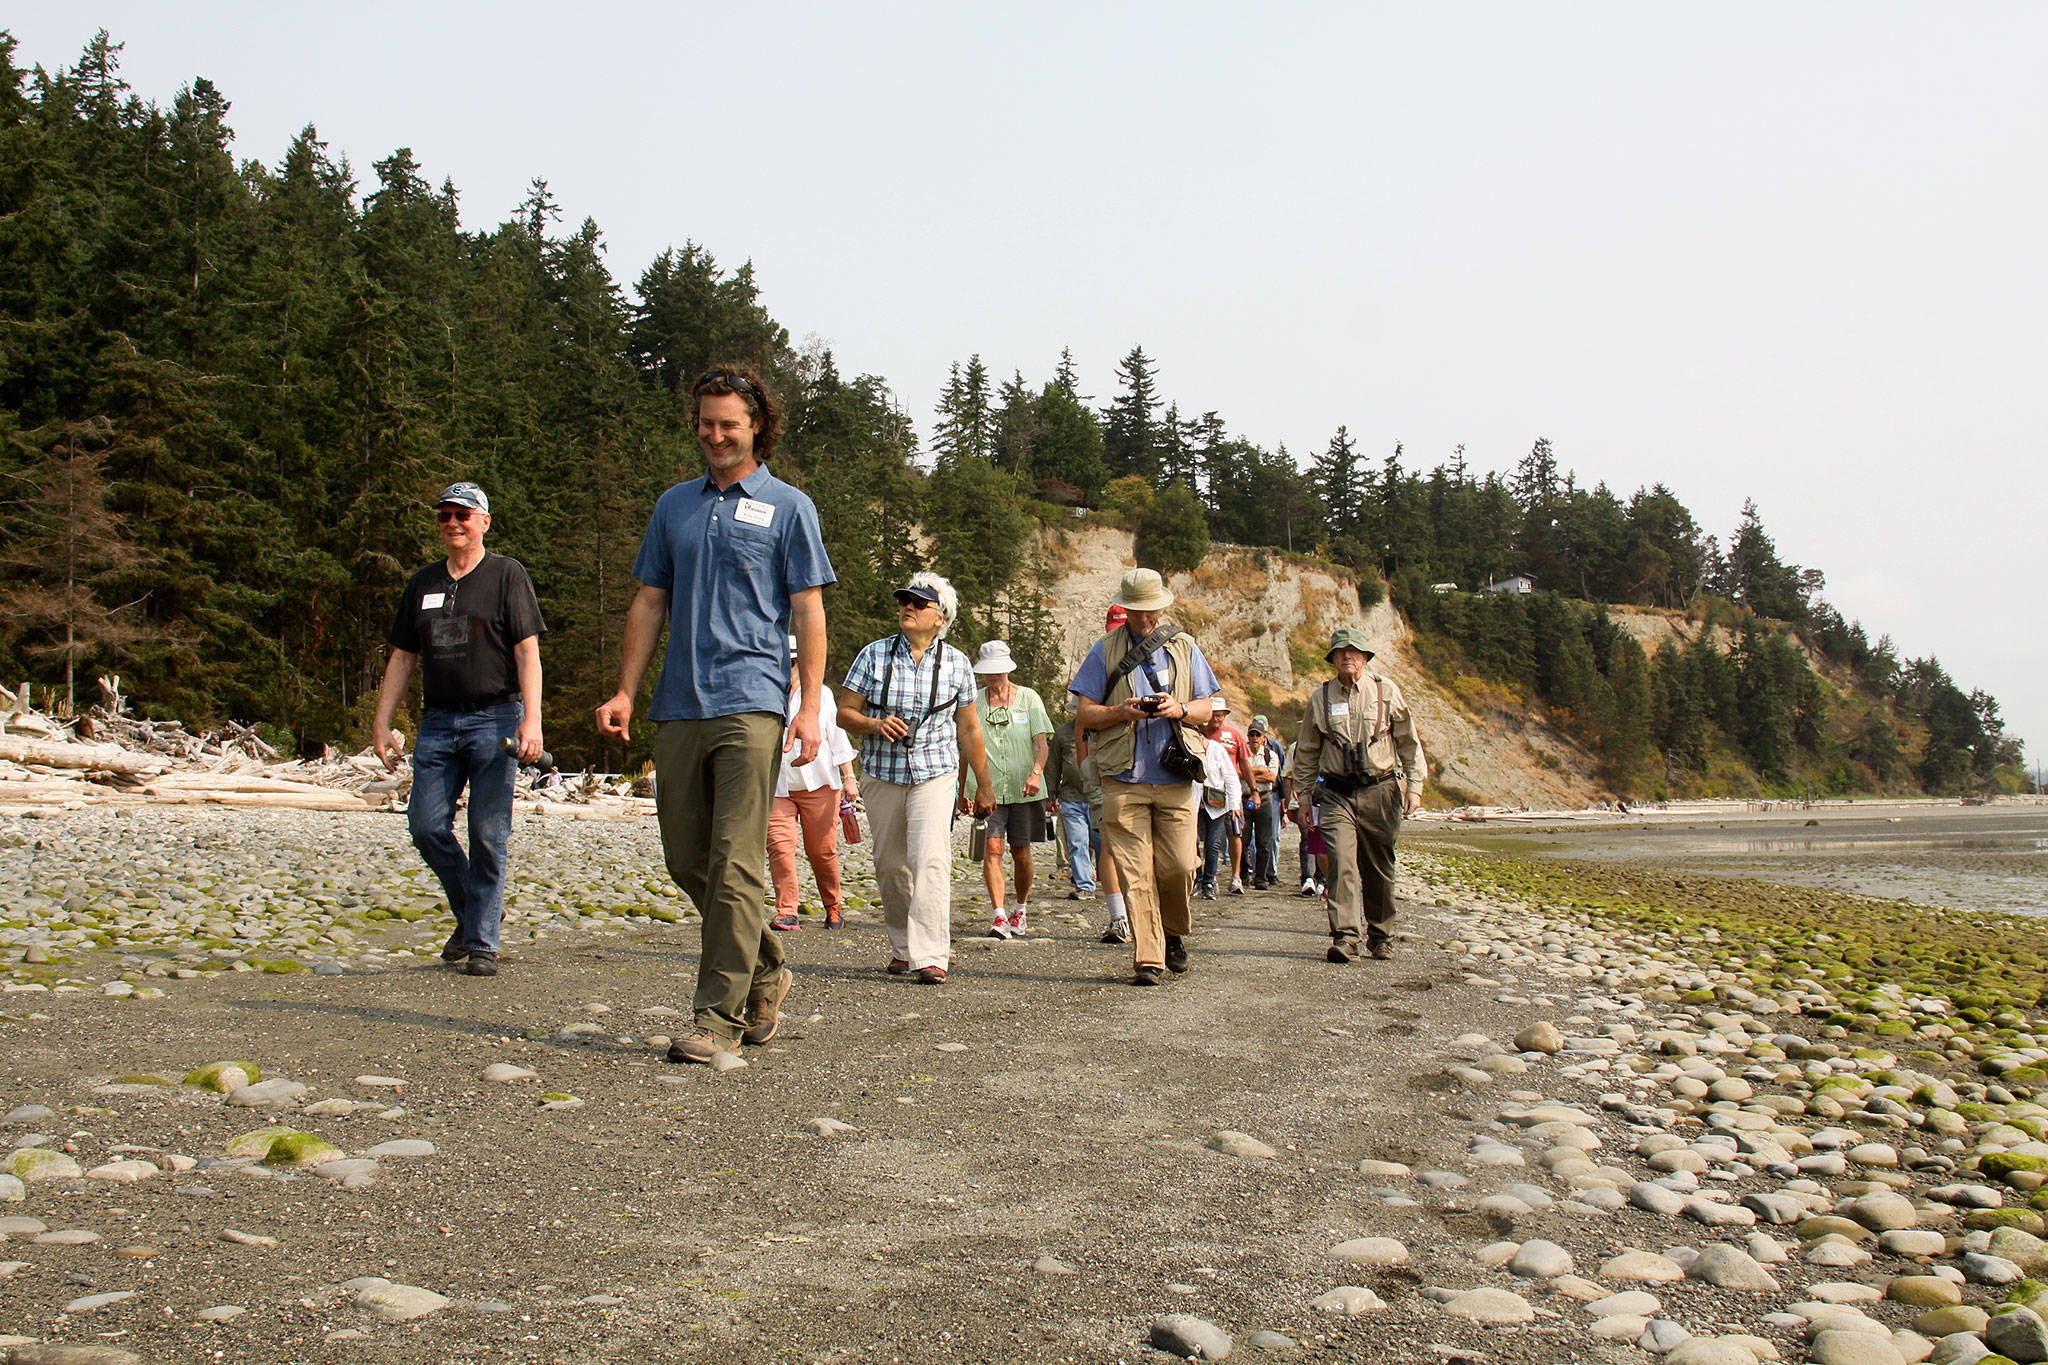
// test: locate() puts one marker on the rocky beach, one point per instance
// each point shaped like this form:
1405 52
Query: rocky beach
1601 1110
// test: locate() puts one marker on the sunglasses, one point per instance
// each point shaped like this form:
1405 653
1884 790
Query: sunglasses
737 382
914 603
448 514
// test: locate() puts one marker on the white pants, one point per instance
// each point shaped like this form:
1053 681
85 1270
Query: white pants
912 828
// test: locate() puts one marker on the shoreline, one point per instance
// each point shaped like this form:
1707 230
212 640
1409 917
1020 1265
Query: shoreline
1572 1115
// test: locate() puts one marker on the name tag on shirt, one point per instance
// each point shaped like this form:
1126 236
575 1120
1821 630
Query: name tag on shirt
754 513
428 601
1340 711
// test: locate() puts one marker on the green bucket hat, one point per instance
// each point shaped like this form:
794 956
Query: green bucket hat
1347 637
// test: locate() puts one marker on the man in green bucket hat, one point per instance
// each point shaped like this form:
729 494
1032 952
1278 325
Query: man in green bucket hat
1358 767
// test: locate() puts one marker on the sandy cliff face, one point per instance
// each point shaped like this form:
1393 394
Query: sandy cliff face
1263 619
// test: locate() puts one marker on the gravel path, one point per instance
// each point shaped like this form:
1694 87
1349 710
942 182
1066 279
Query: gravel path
1527 1138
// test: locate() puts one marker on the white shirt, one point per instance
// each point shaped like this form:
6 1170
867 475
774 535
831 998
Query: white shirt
833 749
1223 773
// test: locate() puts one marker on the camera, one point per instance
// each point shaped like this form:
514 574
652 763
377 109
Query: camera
1150 705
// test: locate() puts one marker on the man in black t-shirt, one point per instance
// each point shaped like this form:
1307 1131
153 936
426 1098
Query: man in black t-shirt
471 625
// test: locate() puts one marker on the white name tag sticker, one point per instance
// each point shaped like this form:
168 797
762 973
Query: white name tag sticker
1341 711
754 513
431 600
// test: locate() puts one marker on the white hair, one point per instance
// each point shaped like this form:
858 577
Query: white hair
949 601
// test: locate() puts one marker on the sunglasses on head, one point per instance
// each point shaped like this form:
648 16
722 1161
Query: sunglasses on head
737 382
446 514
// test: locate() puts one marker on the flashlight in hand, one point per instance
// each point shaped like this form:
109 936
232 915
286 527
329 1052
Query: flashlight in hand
511 746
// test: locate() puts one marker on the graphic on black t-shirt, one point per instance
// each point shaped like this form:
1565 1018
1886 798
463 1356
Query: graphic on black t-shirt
464 629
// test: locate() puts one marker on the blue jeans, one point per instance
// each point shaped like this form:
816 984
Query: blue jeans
454 749
1083 843
1262 839
1212 836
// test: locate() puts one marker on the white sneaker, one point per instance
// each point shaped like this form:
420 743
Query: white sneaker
1237 886
1308 886
1119 931
1000 926
1018 927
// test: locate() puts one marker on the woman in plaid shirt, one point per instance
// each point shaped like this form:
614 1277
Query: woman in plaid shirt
911 699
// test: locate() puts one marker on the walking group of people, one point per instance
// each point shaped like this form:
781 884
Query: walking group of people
1148 781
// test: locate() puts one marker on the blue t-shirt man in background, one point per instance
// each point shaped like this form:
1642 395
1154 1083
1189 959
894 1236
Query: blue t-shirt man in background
733 564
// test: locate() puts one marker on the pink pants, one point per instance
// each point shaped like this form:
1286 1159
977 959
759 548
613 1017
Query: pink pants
818 813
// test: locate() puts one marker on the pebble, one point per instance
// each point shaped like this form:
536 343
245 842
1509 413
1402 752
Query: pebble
33 1164
1372 1251
1654 1198
1187 1336
1712 1351
1232 1143
92 1302
1661 1335
226 1312
1541 1260
1630 1301
401 1147
1542 1037
1491 1306
65 1237
1640 1265
398 1302
1980 1267
1923 1291
1052 1265
247 1239
727 1061
1913 1242
1727 1267
1347 1301
504 1073
829 1127
1267 1340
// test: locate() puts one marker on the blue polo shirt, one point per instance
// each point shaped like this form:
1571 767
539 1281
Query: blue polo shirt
729 561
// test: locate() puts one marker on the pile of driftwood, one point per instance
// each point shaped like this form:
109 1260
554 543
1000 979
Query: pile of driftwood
107 755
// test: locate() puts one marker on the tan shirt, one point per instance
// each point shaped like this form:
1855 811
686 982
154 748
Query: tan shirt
1339 716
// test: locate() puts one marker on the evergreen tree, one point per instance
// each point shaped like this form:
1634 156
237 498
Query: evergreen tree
1130 428
1335 478
966 425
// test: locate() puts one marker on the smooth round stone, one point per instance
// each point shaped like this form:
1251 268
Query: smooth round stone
1541 1260
1052 1265
1268 1340
1604 1198
2017 1334
1727 1267
1576 1287
1497 1154
1711 1351
1767 1249
1662 1336
1836 1255
1878 1154
400 1302
92 1302
1496 1253
1853 1348
504 1073
1678 1159
1503 1206
1655 1198
1883 1212
1371 1251
123 1172
1621 1327
1958 1348
1717 1215
226 1312
65 1237
1347 1301
1629 1301
1923 1291
1913 1242
1384 1170
1844 1291
1980 1267
1187 1336
1490 1305
1542 1036
1232 1143
1645 1266
1942 1322
401 1148
1776 1209
1828 1224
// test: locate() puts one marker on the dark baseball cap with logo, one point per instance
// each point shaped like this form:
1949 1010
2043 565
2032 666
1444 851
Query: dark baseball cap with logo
464 494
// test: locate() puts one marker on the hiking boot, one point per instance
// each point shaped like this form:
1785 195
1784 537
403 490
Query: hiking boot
786 923
1119 931
1176 954
452 950
1342 950
700 1044
481 964
833 919
1147 976
764 1009
898 967
1381 948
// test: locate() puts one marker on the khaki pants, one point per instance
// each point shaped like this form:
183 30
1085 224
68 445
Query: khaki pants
714 784
1149 829
1360 830
911 828
816 814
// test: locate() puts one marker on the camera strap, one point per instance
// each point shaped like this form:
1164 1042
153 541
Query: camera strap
1139 653
889 672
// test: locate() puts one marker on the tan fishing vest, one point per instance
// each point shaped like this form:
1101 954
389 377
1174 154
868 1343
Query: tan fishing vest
1115 750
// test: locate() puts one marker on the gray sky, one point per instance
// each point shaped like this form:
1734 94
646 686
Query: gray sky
1748 250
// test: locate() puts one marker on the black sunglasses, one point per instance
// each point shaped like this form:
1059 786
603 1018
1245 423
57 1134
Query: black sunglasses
738 382
453 513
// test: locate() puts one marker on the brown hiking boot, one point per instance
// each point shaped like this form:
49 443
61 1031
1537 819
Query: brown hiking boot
1381 948
1343 950
764 1009
700 1044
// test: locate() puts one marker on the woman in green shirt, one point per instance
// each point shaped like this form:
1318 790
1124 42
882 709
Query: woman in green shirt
1017 730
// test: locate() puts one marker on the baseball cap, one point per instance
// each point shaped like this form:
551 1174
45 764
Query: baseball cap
464 494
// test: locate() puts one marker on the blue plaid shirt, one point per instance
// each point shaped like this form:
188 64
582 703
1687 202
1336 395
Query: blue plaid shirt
933 746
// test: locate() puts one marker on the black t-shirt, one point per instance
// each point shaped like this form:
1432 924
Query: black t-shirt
464 628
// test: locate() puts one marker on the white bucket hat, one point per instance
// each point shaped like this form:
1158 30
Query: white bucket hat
1143 590
994 657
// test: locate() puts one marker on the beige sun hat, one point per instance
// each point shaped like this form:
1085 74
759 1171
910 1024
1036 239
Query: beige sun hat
994 657
1143 590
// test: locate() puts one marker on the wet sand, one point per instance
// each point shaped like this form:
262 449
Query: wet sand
1964 857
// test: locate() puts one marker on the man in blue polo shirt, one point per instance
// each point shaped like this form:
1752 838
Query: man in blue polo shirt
733 564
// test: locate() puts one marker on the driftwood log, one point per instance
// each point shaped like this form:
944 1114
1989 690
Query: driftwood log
105 758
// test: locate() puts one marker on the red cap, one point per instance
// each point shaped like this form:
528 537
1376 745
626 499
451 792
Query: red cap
1117 616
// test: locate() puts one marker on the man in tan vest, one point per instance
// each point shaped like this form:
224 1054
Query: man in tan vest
1357 729
1145 690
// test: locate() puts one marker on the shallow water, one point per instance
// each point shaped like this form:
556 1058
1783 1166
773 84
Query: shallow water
1969 858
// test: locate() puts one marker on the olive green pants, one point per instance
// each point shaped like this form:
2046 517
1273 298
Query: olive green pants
1360 830
714 788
